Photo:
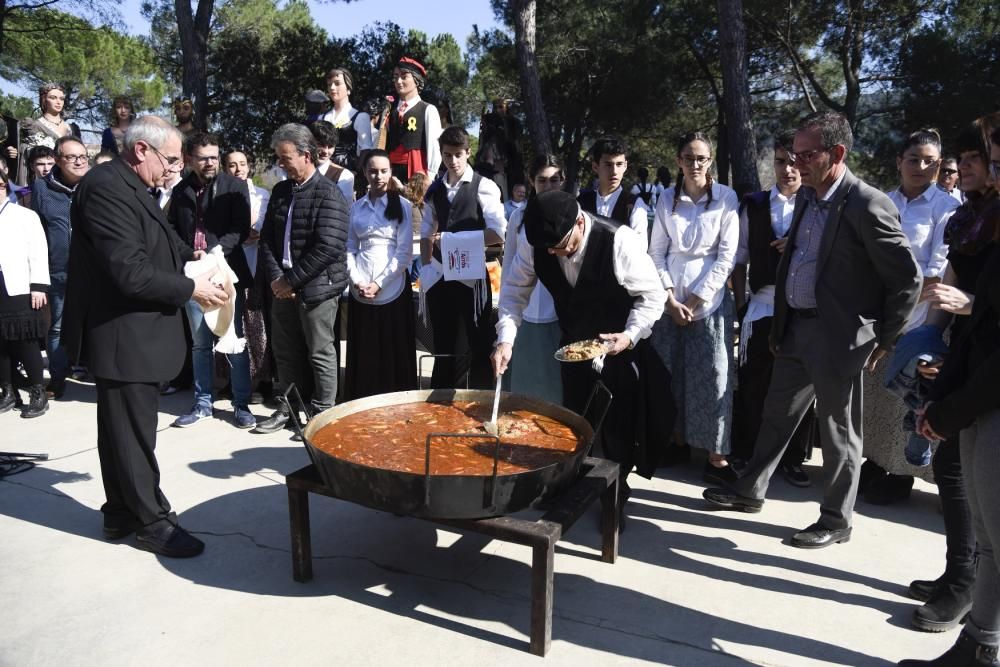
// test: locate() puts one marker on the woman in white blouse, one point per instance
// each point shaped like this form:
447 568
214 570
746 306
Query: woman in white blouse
256 311
24 317
924 211
381 331
693 245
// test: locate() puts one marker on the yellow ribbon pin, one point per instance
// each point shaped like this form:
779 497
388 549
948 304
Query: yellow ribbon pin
411 124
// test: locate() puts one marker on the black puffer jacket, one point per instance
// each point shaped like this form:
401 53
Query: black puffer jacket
320 217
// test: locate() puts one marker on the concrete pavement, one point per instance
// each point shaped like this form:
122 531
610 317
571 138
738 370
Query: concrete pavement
691 587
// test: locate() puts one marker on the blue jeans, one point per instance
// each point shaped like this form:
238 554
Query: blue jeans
203 357
58 363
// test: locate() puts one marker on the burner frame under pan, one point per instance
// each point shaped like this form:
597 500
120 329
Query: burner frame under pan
598 479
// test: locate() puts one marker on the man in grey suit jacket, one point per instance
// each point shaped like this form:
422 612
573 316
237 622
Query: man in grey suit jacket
845 286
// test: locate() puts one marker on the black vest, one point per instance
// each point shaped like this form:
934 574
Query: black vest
620 213
763 258
408 133
346 151
597 304
464 214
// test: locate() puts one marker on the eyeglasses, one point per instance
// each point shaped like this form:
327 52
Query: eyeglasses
75 159
172 162
692 160
922 163
808 156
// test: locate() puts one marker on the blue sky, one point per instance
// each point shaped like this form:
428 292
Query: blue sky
345 19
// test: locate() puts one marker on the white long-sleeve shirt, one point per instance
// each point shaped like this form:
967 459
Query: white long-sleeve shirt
923 219
362 125
638 219
694 247
379 250
489 200
540 309
782 211
24 252
633 270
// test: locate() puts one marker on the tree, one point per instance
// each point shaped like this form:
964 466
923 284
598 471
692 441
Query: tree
14 15
739 124
527 67
94 64
193 32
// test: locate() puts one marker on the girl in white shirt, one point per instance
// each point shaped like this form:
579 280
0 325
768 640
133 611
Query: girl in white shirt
381 331
693 245
535 371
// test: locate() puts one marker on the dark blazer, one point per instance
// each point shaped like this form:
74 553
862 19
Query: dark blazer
227 218
867 280
125 285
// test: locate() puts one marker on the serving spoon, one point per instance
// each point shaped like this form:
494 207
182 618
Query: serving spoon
491 426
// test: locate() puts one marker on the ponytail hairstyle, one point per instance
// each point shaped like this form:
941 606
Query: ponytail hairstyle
709 180
925 137
393 209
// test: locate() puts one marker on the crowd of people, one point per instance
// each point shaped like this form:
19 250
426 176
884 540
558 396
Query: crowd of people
169 267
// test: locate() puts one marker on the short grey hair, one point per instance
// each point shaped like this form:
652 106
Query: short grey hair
152 130
297 135
832 126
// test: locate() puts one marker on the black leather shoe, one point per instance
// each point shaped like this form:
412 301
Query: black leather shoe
166 539
795 475
966 652
730 500
719 476
38 405
816 537
117 529
8 398
277 421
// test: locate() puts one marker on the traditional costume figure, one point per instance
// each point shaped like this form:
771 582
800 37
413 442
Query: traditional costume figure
609 199
413 126
466 215
602 285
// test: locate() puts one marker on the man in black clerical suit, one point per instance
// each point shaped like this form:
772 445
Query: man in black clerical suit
124 293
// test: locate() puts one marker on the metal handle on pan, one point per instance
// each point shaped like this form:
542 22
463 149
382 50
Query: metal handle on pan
595 423
427 462
420 365
293 413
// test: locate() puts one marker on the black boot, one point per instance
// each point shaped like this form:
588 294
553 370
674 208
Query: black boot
38 403
966 652
8 397
950 602
924 589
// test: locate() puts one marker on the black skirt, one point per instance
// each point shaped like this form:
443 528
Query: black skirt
18 320
381 347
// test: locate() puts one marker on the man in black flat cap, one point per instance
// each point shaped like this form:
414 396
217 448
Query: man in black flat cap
604 285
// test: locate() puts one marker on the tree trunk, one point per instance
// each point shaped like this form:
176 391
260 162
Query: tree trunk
531 90
722 154
193 32
736 94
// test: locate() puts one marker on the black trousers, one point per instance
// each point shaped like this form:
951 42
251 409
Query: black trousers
126 440
754 379
959 534
619 433
456 331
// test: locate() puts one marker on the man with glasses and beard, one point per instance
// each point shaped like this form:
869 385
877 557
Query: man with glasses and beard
210 209
124 294
846 284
